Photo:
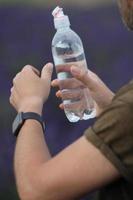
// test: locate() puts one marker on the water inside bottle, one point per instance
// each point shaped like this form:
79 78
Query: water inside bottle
77 100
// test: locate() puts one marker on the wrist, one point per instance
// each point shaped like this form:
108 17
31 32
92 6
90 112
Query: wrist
34 106
22 118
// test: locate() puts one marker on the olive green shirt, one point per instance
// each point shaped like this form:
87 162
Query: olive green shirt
112 134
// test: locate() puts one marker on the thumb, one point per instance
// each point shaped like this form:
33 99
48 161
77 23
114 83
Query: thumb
87 77
47 71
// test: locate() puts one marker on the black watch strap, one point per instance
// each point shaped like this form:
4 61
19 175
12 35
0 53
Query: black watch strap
20 119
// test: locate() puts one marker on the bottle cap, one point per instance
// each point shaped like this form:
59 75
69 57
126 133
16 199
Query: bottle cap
60 20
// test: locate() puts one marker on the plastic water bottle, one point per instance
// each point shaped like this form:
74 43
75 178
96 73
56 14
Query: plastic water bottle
67 50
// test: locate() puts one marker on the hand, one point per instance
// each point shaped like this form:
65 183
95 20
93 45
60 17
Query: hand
29 91
101 94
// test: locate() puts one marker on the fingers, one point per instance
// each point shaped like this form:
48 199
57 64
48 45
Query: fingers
70 94
83 77
47 71
29 67
70 83
61 106
28 85
11 101
55 83
13 97
75 106
36 71
58 94
16 78
87 77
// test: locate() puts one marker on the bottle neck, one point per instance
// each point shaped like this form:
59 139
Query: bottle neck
63 29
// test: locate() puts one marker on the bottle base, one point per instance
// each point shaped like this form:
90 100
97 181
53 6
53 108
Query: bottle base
72 117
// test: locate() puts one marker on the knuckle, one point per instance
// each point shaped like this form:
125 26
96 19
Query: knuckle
11 90
16 77
83 74
55 81
26 68
11 100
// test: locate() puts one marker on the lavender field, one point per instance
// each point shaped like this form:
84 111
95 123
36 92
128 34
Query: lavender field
25 38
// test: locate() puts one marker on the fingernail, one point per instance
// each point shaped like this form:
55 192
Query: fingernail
57 94
75 70
54 83
50 65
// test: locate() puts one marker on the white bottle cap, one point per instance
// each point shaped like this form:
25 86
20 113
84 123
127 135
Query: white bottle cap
60 20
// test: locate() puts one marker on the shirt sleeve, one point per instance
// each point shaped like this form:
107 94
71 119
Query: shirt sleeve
112 133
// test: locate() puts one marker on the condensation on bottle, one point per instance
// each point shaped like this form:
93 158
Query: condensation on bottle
67 50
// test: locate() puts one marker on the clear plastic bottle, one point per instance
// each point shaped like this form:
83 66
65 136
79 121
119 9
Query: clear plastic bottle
67 50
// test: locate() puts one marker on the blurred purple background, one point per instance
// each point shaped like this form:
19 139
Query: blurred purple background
25 38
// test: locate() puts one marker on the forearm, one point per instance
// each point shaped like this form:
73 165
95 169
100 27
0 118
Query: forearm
30 154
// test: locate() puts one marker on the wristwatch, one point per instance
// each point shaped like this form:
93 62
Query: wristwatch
20 119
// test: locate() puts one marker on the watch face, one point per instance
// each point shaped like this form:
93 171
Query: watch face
17 123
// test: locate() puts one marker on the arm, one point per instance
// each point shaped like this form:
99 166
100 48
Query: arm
78 169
